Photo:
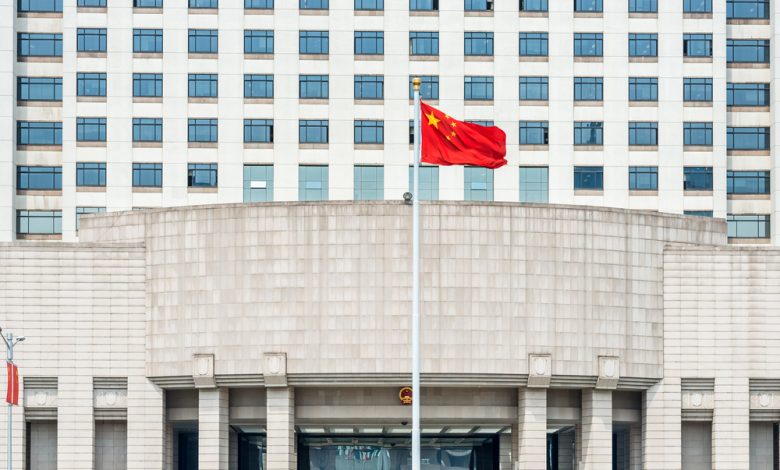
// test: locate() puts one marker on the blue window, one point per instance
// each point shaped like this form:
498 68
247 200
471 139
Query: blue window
202 130
643 89
313 42
372 5
38 133
39 45
90 84
203 4
147 130
202 175
369 87
258 183
39 88
697 133
91 3
313 4
147 40
147 175
698 213
747 9
147 84
588 133
312 183
478 44
643 178
313 87
478 88
697 45
588 88
478 5
259 4
643 6
642 133
369 42
697 178
747 182
429 88
748 226
588 44
90 129
590 6
427 182
423 43
533 5
91 39
642 45
38 222
202 85
534 184
697 6
90 174
747 51
369 183
258 41
87 210
258 86
697 89
534 88
423 5
533 44
478 184
147 3
313 131
259 131
40 6
747 138
39 178
534 133
202 41
747 94
482 122
369 131
589 177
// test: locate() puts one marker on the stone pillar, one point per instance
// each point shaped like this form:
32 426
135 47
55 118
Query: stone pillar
280 428
532 428
661 423
75 423
731 424
213 429
146 436
596 429
636 446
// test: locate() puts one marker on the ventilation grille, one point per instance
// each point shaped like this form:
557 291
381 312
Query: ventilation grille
764 385
110 383
45 383
702 385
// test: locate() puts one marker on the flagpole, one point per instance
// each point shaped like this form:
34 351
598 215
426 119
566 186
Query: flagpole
9 351
416 390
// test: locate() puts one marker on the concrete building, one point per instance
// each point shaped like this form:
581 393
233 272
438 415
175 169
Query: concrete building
628 103
276 336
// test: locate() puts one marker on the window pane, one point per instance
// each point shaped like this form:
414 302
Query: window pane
41 178
697 178
313 183
369 183
90 174
478 184
748 226
313 87
202 130
642 89
258 130
313 131
534 88
258 86
534 183
39 89
369 87
38 133
478 88
747 94
147 174
428 184
697 89
258 41
38 222
589 177
91 39
423 43
533 133
202 175
313 42
258 183
643 178
369 132
588 133
533 44
369 42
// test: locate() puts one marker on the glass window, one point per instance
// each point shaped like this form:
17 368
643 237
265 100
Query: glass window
591 6
90 129
697 45
258 183
40 6
697 178
369 87
202 130
643 178
147 175
91 3
697 6
748 226
147 3
313 86
589 177
697 133
313 183
202 175
747 51
87 210
478 88
534 88
90 174
478 5
534 133
478 44
747 9
369 183
643 89
40 178
747 182
588 44
747 138
643 6
202 85
259 131
39 45
259 4
588 133
258 41
147 129
588 89
313 42
423 43
313 4
203 4
478 183
38 222
258 86
203 41
642 133
39 88
481 122
369 131
312 131
698 213
429 88
38 133
90 84
533 5
428 183
642 45
369 42
534 184
373 5
747 94
147 40
91 39
697 89
423 5
533 44
147 84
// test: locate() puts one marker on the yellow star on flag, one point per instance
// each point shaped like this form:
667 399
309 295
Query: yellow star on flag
432 121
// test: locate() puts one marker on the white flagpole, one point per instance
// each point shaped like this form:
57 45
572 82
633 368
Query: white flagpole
416 390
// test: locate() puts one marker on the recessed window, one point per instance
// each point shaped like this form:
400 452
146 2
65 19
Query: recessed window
534 184
91 40
147 40
423 5
747 94
697 178
643 178
147 175
313 131
698 213
203 4
369 131
312 183
588 133
747 138
258 41
87 210
424 43
588 88
534 88
478 5
697 133
258 86
369 42
642 45
370 5
39 45
697 6
643 89
478 44
147 3
147 129
588 44
369 87
533 5
747 182
643 6
697 89
90 174
697 45
38 133
642 133
90 84
748 226
259 131
91 3
202 85
747 9
747 51
147 85
39 88
258 183
533 44
481 122
478 88
313 42
202 41
40 6
588 6
369 183
38 222
259 4
313 87
427 182
202 130
91 129
429 88
39 178
534 133
313 4
478 183
202 175
589 178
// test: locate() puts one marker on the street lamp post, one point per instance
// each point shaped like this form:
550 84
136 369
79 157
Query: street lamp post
10 342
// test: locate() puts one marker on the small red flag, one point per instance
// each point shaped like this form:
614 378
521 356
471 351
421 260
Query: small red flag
446 141
12 394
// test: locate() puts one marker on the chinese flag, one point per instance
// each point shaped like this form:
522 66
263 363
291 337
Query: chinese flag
12 394
446 141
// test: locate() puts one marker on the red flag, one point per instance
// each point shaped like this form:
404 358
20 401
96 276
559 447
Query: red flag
446 141
12 394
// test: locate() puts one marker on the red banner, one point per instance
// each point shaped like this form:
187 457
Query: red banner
12 394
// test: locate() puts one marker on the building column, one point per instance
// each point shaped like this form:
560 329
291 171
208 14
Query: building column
662 426
146 436
596 429
635 453
75 423
505 450
213 429
280 428
532 428
731 424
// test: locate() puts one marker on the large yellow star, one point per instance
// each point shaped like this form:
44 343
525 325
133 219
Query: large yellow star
432 121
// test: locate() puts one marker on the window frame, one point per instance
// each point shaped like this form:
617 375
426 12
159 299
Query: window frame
307 129
642 133
472 84
202 130
31 177
84 170
142 125
580 84
141 37
690 84
691 175
141 171
530 129
141 79
472 37
583 174
638 48
195 171
643 178
378 39
27 84
528 81
584 48
263 128
199 38
540 41
85 38
634 85
369 131
91 129
308 38
583 127
258 86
